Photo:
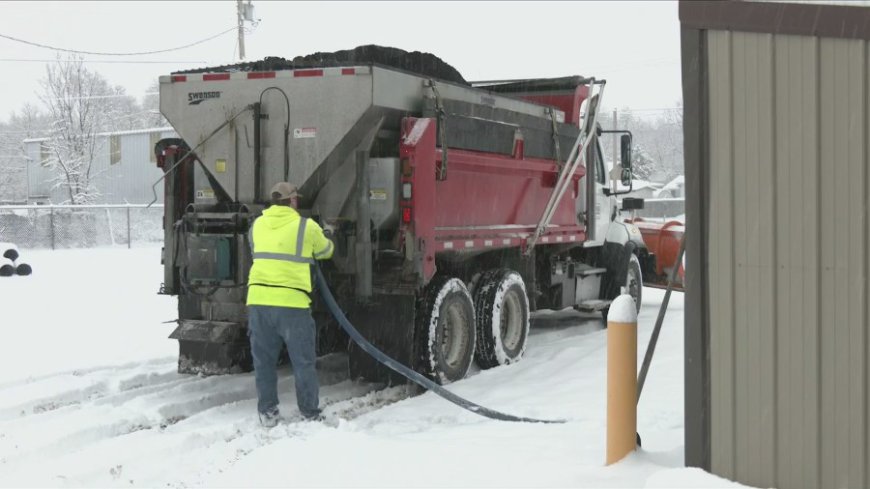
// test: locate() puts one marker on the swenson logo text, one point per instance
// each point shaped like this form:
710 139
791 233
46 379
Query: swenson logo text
196 98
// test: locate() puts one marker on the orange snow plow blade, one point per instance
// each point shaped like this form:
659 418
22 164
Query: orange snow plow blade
663 240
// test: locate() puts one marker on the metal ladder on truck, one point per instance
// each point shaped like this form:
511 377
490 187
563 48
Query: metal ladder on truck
575 158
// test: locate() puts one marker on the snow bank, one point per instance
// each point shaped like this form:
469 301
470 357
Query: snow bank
85 308
7 246
687 478
90 397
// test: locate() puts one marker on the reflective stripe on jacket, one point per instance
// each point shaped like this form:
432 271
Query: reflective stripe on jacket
284 246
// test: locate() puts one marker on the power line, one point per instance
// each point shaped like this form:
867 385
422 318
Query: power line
118 95
623 110
76 51
137 61
662 109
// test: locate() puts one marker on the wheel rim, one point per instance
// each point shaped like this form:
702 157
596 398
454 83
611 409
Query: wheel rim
511 321
453 339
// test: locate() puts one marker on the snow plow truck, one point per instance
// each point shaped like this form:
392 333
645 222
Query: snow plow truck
459 207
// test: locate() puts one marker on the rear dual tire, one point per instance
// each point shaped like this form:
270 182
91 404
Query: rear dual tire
445 330
454 327
502 318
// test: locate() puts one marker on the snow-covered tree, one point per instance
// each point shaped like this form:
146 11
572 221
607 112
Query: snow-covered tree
643 166
657 144
28 122
151 107
80 104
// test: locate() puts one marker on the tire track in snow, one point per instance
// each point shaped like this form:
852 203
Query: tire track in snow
207 442
66 390
82 372
342 402
137 402
53 433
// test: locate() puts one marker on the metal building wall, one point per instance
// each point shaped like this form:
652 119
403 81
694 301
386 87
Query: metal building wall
130 180
127 181
39 178
787 129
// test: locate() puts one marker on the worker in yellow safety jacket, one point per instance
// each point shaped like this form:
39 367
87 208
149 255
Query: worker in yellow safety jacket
284 246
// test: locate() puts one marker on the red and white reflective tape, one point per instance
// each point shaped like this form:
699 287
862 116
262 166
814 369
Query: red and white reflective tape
264 75
490 243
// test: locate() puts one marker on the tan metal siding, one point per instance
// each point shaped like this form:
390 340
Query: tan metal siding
721 255
841 90
797 184
752 166
787 257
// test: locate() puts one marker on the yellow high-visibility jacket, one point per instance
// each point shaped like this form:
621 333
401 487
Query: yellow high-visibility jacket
285 246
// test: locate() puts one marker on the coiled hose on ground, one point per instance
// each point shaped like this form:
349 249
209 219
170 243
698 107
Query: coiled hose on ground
411 375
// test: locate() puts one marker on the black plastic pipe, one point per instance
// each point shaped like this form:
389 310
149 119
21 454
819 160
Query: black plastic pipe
406 372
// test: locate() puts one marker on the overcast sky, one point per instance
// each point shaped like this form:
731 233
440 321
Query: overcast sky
634 45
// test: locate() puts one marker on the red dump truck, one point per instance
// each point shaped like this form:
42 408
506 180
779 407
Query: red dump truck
460 207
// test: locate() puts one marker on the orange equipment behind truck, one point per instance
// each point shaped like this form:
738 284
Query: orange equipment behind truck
663 241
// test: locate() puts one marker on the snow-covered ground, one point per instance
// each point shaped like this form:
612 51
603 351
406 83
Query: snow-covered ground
89 396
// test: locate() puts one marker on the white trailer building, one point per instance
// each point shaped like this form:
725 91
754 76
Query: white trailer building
123 172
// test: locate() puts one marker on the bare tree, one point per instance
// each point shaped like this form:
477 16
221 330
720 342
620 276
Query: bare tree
129 114
151 107
658 141
29 122
13 172
80 105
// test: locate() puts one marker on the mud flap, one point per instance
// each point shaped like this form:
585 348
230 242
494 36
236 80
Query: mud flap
212 347
388 323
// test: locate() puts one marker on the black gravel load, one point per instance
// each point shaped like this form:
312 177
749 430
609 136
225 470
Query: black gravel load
425 64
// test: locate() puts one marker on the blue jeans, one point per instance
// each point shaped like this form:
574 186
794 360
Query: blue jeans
269 328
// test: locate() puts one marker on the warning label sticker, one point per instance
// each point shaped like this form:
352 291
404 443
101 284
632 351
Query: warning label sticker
304 132
377 194
205 194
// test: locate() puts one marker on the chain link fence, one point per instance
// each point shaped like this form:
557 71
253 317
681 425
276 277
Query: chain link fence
80 226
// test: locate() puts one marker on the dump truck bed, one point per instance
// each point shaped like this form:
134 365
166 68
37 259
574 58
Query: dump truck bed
331 112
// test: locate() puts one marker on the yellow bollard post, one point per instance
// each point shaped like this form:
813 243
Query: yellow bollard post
621 378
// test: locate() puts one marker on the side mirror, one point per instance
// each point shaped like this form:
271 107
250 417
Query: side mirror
625 150
626 177
625 158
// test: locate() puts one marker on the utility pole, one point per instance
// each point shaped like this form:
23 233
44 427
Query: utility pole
615 145
240 11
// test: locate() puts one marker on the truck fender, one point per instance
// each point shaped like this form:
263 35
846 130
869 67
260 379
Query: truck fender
623 233
621 241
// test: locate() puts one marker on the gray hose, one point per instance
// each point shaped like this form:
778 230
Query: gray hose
405 371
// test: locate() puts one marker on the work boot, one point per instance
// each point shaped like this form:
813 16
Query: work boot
316 416
270 419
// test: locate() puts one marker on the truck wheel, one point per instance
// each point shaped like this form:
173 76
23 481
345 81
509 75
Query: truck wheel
633 285
446 330
502 310
634 281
